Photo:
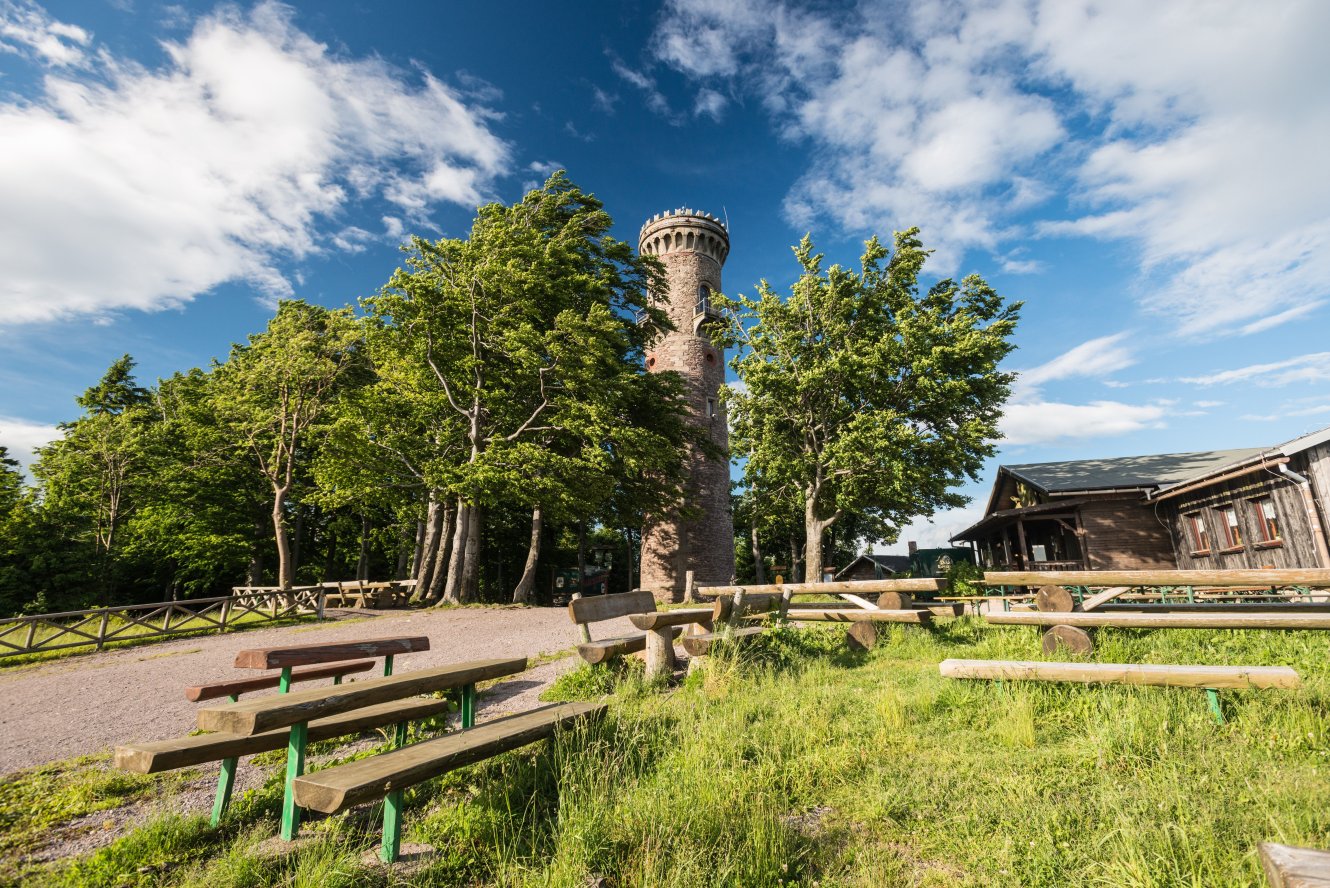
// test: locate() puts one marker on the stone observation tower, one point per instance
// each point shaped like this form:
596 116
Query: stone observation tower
693 246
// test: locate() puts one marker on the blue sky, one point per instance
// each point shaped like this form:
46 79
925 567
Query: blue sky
1149 178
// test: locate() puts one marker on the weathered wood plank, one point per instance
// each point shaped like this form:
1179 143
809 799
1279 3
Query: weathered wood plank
594 608
700 645
723 611
269 713
1215 607
672 618
335 789
1125 673
595 652
309 654
854 587
854 616
182 752
1164 621
1134 578
1099 598
243 686
1287 866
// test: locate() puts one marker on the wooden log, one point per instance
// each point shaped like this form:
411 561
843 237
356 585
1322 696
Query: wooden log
660 653
672 618
861 635
1067 639
1135 578
269 713
594 608
895 601
309 654
366 780
607 649
853 587
954 609
700 645
226 688
1054 599
1287 866
183 752
1213 607
1101 598
1164 621
1125 673
729 608
853 616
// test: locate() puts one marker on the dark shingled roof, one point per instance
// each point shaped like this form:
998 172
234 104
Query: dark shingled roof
1126 471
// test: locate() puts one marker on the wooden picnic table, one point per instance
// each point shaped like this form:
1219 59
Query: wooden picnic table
308 654
295 709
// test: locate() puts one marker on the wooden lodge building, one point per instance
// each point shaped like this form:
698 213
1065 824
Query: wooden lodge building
1247 508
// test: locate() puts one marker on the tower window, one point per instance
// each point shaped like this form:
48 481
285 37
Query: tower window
703 299
711 408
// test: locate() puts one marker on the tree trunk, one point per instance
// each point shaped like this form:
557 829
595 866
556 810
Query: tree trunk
470 586
285 571
759 569
405 552
814 528
418 551
527 584
441 555
428 563
794 561
453 582
362 566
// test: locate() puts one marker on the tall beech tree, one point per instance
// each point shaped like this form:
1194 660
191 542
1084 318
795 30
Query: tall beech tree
524 332
864 395
272 392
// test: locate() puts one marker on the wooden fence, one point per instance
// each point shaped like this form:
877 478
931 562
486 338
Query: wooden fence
100 626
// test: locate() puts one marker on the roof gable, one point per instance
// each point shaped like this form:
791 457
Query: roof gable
1075 476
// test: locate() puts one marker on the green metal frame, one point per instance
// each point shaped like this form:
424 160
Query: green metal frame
1212 697
295 766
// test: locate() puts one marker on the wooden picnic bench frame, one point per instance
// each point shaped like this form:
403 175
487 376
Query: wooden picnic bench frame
659 628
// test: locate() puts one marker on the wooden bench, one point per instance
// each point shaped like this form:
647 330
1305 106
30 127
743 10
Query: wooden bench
734 615
862 632
384 776
890 594
657 639
1209 678
216 749
296 710
1287 866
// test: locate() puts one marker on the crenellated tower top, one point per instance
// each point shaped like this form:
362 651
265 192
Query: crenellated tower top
685 230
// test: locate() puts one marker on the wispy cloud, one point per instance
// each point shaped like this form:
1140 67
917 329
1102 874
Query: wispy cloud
22 437
1092 359
28 29
227 163
655 99
1313 367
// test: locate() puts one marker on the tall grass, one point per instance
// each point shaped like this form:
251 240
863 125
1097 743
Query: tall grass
795 762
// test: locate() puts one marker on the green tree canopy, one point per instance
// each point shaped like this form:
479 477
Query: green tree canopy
863 395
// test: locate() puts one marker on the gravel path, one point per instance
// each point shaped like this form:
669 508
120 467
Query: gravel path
86 704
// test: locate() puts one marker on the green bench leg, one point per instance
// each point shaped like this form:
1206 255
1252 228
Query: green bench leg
1212 696
399 736
388 665
284 683
295 766
225 780
337 679
392 827
469 706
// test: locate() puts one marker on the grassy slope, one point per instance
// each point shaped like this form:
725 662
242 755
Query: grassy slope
805 765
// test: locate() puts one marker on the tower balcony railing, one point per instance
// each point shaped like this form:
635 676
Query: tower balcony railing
705 313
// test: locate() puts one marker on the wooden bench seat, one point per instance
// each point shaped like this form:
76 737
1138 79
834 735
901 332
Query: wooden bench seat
336 672
308 655
595 652
1287 866
701 645
384 776
182 752
846 615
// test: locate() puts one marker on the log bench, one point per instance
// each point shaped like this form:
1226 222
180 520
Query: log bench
862 632
657 639
731 613
1209 678
1287 866
384 776
296 710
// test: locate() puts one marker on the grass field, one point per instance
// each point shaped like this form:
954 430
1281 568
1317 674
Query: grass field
799 763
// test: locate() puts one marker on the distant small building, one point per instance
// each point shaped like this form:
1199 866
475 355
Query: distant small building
1252 507
874 567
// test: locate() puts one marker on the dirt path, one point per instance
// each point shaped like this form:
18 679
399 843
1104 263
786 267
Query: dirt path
86 704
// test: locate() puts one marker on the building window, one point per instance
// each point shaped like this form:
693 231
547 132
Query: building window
711 408
1228 520
703 299
1266 520
1200 537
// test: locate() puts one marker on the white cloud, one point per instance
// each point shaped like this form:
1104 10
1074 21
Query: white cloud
1205 405
1097 357
22 437
1313 367
1192 129
1041 422
26 28
392 226
144 188
710 103
654 98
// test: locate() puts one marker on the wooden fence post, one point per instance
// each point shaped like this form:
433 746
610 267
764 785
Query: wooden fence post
101 630
689 588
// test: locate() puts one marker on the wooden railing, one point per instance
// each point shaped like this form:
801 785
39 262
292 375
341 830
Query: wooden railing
101 626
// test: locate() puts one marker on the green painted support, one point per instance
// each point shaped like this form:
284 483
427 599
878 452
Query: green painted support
399 736
225 781
337 679
392 827
284 683
388 665
295 766
1212 696
1191 594
469 706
